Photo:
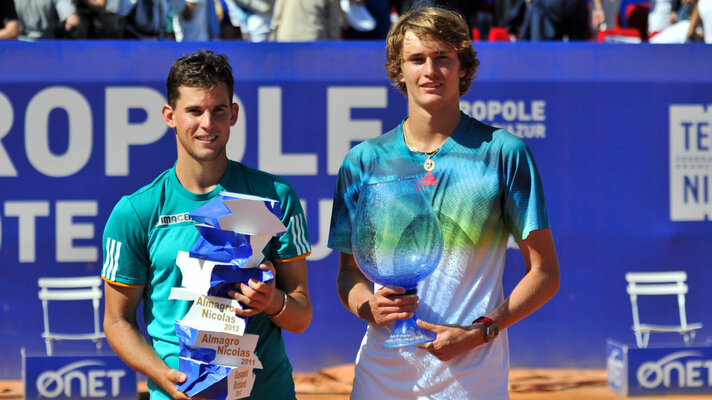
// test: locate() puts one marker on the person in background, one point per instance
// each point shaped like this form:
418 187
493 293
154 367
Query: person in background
252 17
46 19
9 24
681 29
380 10
483 185
701 18
142 19
466 8
549 20
140 254
660 16
604 14
306 20
195 20
96 21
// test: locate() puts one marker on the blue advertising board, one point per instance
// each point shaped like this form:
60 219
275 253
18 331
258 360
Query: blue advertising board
659 370
622 136
78 376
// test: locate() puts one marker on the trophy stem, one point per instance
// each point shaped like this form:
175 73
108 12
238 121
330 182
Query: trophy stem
407 332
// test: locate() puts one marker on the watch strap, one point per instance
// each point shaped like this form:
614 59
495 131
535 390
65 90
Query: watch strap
491 329
487 321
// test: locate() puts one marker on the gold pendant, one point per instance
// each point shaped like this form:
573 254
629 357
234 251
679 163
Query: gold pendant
429 164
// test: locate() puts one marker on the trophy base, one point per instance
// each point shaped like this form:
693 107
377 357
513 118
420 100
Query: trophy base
408 333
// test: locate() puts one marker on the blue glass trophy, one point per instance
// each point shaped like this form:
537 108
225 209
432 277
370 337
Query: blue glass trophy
397 241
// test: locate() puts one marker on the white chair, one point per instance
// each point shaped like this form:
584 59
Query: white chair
659 283
68 289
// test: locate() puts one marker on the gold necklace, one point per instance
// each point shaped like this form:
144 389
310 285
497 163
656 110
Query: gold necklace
429 164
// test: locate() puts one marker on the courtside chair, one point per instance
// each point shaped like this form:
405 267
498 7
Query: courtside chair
670 283
71 289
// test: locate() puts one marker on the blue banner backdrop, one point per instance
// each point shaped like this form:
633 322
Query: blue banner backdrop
622 135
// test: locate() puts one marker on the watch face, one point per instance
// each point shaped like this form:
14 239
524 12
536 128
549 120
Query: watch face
492 332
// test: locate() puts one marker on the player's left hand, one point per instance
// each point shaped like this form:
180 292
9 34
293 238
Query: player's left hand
452 340
255 296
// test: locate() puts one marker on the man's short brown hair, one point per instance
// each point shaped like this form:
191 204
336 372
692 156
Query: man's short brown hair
431 23
202 69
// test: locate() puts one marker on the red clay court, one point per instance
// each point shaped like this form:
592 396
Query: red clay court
334 383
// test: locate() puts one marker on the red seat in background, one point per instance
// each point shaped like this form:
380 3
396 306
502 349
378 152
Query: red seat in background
475 35
499 34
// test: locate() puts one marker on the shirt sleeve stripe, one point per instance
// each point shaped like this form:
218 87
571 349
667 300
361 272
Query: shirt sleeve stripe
112 261
292 258
107 257
113 250
305 241
117 252
293 233
122 284
109 264
299 234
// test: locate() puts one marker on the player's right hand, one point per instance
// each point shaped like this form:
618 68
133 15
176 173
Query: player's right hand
174 377
390 303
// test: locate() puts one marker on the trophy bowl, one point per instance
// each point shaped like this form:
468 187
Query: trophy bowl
397 241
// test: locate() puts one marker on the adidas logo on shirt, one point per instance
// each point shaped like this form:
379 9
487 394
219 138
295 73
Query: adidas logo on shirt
428 180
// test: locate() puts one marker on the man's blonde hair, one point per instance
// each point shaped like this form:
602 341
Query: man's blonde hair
431 23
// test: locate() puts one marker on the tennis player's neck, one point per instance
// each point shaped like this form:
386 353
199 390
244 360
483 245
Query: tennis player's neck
200 177
429 127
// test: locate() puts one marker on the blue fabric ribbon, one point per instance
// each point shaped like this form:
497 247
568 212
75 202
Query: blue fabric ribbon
204 380
221 246
224 278
186 339
210 212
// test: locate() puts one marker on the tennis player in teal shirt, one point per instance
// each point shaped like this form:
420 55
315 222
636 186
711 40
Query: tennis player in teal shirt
147 229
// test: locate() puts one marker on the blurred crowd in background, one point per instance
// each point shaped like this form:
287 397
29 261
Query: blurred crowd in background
629 21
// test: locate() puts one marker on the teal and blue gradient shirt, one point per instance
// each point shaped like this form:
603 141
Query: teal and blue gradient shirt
484 187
